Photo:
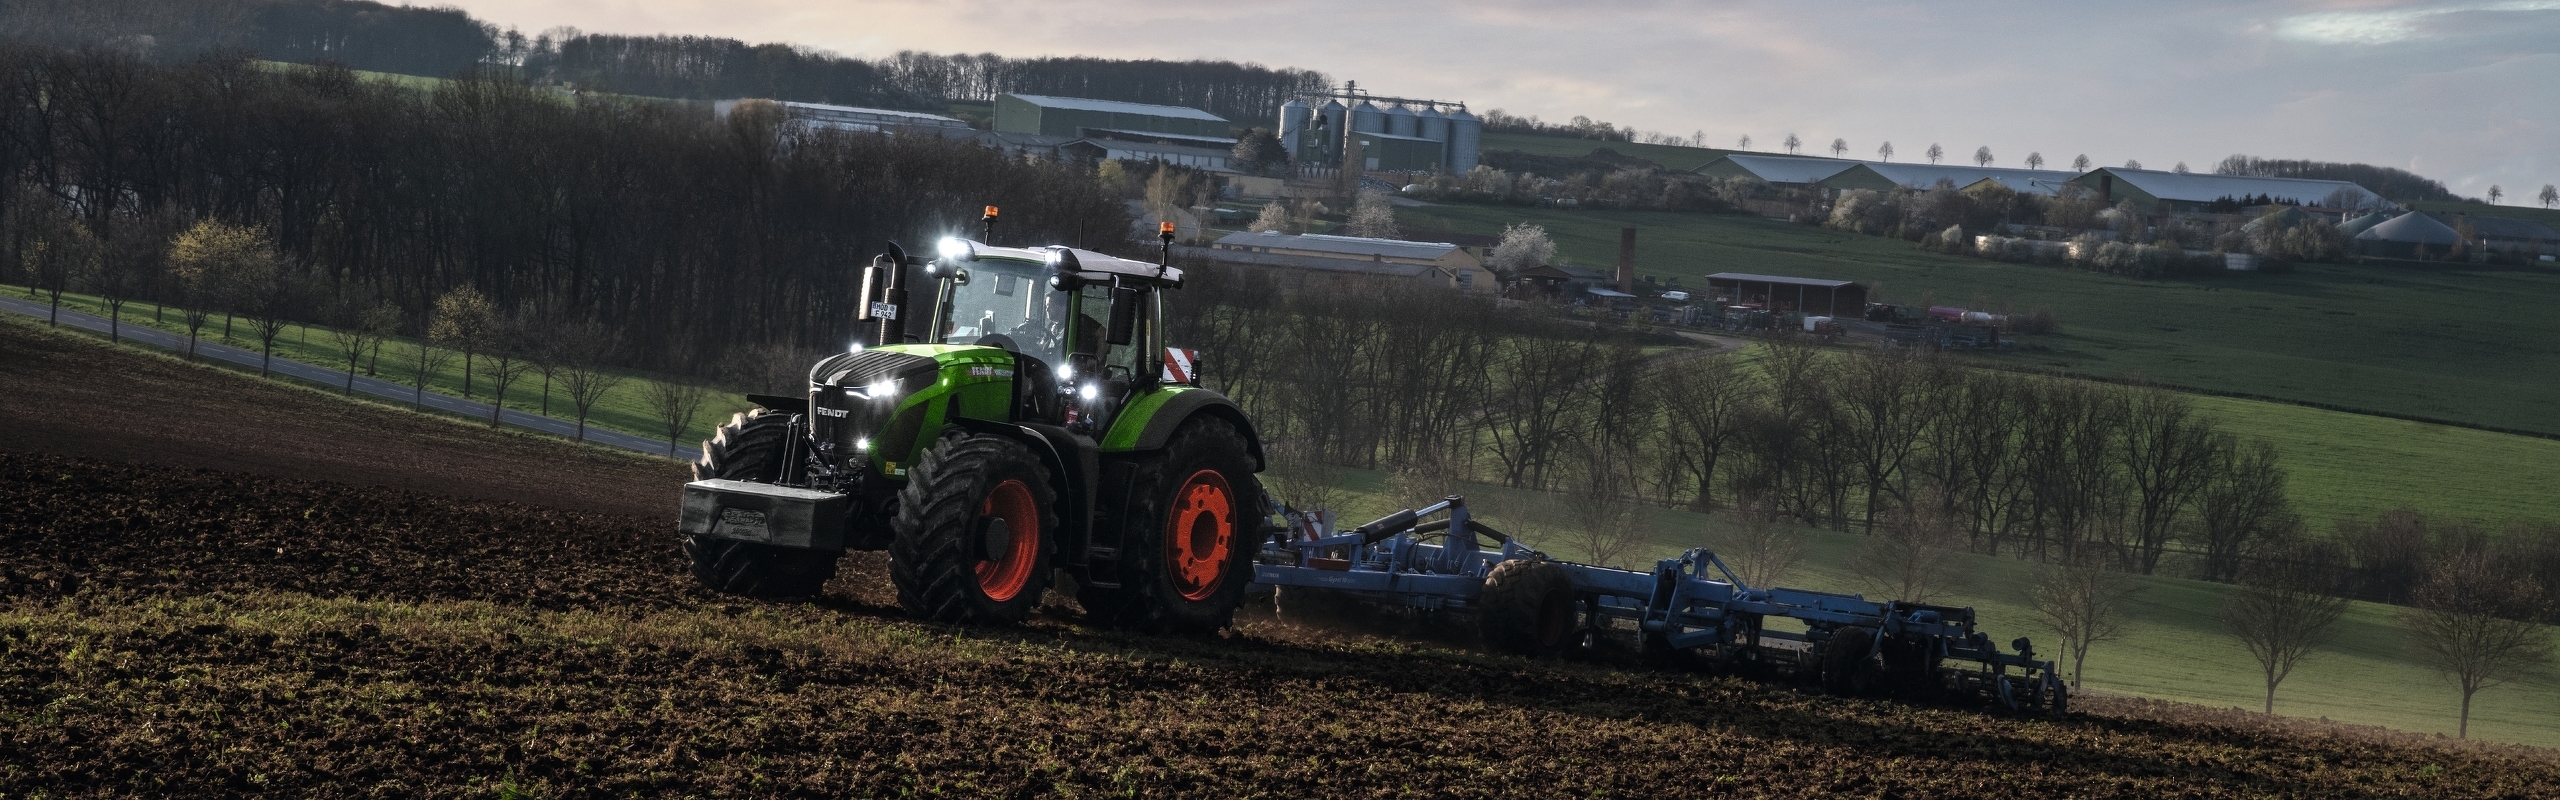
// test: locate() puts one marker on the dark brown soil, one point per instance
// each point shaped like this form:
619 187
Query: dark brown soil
63 393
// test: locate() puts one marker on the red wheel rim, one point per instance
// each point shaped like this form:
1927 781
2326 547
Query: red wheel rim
1199 532
1002 579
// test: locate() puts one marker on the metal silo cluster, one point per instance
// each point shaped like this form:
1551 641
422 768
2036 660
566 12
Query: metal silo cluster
1313 133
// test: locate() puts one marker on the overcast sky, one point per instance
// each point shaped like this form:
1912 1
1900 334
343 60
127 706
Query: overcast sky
2467 92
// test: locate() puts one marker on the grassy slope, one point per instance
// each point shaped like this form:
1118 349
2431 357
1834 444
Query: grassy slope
2545 216
625 408
2173 647
1570 147
2457 346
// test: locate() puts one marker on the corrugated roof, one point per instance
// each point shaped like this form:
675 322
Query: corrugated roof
1341 245
2363 223
2499 227
823 110
1117 107
1786 169
2192 187
1926 176
1779 279
2413 227
1198 141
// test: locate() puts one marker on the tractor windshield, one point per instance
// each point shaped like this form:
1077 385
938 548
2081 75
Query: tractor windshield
1007 304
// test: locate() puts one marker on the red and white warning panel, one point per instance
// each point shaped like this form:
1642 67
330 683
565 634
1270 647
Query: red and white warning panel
1181 365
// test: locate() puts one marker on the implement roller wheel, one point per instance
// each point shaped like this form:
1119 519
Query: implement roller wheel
1527 608
1846 668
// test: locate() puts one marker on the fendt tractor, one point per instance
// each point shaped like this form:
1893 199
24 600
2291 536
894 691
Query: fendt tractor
1036 429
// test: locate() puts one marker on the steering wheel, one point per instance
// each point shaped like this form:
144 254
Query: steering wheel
998 340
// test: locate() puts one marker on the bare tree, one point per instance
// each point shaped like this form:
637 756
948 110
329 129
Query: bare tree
2242 504
1917 558
356 329
2035 160
2132 163
2550 194
1705 402
2477 622
1885 152
2180 168
128 263
1744 143
1301 478
1839 146
2284 610
1982 155
58 251
268 297
2169 454
2082 601
2080 163
465 321
1792 143
582 349
424 362
675 403
1762 551
2495 193
1935 152
512 341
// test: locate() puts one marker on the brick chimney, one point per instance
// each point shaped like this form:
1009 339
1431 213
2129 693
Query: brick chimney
1627 260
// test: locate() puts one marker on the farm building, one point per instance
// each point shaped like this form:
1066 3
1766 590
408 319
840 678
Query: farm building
1079 117
1813 296
1884 176
2503 234
2403 235
846 118
1776 170
1563 281
1095 148
1436 263
2171 192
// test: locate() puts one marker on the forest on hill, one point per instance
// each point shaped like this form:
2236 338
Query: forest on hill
444 42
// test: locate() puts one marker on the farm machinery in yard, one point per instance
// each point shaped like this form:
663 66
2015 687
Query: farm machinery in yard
1034 432
1690 608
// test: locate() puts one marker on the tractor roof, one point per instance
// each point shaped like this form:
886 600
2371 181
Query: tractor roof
1086 260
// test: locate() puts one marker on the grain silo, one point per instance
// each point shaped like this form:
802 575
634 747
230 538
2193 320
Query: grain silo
1431 124
1366 118
1328 146
1400 121
1466 134
1293 126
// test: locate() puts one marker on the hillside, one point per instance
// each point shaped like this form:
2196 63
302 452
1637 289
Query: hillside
2455 346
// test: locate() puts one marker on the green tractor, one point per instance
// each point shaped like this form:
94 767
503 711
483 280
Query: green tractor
1035 433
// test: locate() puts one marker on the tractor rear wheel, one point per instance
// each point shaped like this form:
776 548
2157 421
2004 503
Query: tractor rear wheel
974 532
1189 537
1527 608
750 448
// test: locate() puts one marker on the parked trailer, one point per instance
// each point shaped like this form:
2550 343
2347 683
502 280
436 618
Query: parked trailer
1693 605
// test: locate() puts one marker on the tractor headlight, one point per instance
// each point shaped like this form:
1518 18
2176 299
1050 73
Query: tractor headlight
881 389
954 249
862 445
1089 392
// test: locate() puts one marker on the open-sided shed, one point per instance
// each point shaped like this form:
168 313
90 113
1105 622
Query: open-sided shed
1815 296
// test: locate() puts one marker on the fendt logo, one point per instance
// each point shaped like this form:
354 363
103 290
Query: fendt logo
830 412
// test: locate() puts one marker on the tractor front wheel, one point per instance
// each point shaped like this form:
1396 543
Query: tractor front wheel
1527 608
1189 537
750 448
974 532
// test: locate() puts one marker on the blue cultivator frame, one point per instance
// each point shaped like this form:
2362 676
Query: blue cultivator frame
1690 605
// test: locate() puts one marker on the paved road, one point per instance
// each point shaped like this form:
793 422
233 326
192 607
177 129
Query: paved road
378 388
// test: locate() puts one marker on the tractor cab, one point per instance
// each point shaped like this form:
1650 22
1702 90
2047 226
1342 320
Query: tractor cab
1087 324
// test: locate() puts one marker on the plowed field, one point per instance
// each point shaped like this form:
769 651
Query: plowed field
167 631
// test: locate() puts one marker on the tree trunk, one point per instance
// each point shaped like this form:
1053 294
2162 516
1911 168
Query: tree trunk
2463 731
466 374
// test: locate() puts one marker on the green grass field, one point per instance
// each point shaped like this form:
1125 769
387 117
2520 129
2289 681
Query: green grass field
2173 647
1681 158
2471 347
624 408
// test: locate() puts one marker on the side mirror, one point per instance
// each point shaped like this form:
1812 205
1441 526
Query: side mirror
1124 315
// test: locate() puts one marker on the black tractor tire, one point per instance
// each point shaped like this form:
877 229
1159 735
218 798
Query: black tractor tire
1911 665
1527 608
1846 668
1312 607
960 553
750 448
1195 519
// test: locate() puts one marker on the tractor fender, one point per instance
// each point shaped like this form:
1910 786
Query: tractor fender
1149 421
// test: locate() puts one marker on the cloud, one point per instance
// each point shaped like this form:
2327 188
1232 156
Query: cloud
2394 25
